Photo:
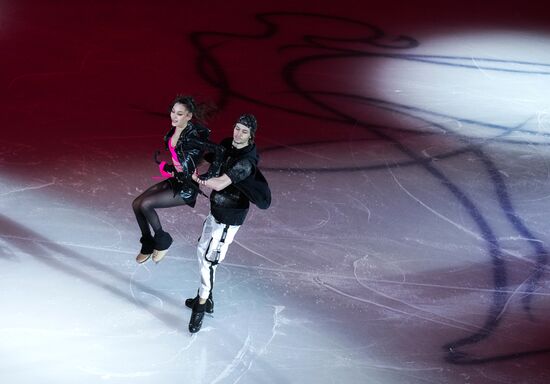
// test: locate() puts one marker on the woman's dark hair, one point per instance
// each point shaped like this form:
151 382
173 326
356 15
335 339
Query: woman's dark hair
201 111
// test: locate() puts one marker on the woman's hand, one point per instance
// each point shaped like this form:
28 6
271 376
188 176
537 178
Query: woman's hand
169 168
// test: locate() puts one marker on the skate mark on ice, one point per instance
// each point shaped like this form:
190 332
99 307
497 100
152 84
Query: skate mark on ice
392 309
29 188
257 253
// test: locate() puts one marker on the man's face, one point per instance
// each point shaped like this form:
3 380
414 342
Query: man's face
241 135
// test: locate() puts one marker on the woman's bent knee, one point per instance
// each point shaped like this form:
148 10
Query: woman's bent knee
136 204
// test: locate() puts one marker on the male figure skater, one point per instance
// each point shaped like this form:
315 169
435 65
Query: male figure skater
238 183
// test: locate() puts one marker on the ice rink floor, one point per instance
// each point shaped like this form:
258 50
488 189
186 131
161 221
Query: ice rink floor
408 237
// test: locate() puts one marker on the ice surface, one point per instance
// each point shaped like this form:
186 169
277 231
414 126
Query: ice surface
407 241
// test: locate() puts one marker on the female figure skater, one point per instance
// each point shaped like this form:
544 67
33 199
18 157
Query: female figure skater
187 141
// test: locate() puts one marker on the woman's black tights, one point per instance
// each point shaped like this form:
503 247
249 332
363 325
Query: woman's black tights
159 195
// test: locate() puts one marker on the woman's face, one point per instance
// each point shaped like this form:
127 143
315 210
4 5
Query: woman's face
180 116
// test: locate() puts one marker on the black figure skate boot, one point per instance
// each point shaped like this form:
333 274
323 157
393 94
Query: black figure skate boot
195 323
209 305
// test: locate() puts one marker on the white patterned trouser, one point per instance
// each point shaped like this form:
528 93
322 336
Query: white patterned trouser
213 244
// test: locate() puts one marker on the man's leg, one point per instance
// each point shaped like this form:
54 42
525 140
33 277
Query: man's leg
213 244
211 251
